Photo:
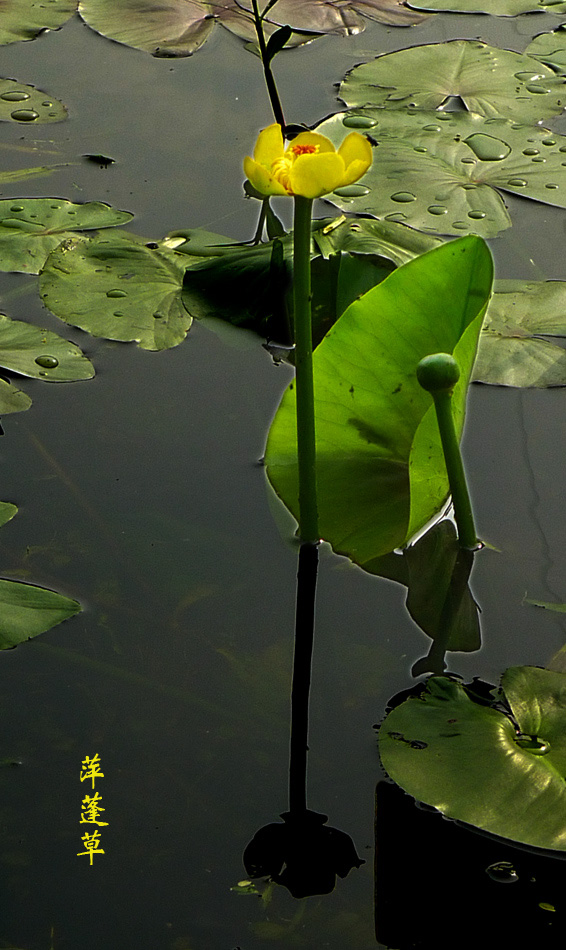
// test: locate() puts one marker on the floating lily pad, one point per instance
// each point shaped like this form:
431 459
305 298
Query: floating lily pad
504 773
27 105
441 172
25 19
7 512
514 349
26 611
494 7
41 354
380 468
31 227
550 48
489 81
168 28
118 288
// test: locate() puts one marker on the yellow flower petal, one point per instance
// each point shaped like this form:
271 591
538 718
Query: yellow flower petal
356 147
315 175
313 138
262 179
269 146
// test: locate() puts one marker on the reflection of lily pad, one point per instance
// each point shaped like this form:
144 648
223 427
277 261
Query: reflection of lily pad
28 105
41 354
24 19
380 469
439 171
514 349
502 772
118 288
31 227
489 81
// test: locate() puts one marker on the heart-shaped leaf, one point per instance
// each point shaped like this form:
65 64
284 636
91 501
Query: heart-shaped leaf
30 228
489 81
24 19
380 469
503 772
118 288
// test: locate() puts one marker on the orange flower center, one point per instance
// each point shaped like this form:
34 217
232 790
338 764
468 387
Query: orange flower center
304 149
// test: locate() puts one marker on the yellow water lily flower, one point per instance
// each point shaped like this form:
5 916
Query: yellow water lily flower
310 166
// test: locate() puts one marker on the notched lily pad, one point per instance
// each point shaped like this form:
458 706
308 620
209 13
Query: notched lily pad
25 19
488 80
501 771
27 105
118 288
30 228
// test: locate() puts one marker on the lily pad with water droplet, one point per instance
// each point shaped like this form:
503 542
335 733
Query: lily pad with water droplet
434 157
516 343
380 469
25 19
27 105
26 611
41 354
483 77
30 228
473 763
80 279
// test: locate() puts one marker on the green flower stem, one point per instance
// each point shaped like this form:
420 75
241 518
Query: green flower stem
269 77
306 443
438 374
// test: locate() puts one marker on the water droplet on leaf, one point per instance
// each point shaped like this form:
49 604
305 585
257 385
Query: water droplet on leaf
116 293
47 362
536 88
503 872
530 151
488 148
24 115
460 225
359 122
517 182
14 96
437 209
403 196
533 744
352 191
476 215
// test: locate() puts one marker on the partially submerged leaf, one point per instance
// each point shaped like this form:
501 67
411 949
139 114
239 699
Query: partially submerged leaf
380 468
27 105
12 399
26 611
516 346
41 354
7 512
25 19
494 7
489 81
118 288
21 174
30 228
504 773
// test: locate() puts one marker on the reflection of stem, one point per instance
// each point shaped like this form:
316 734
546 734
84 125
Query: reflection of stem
306 444
269 77
304 634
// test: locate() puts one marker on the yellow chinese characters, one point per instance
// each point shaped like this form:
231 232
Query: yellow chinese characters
91 769
309 167
91 843
91 808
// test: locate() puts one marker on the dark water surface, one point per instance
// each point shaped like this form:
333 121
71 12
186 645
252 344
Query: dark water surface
141 496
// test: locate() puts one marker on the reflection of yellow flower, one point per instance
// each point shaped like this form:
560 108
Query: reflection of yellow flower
310 166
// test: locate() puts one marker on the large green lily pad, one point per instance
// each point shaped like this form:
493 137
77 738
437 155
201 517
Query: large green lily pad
27 105
26 611
503 772
441 172
117 287
494 7
24 19
41 354
516 343
490 81
30 228
380 469
168 28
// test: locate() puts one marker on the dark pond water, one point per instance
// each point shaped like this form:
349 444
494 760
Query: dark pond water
140 495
